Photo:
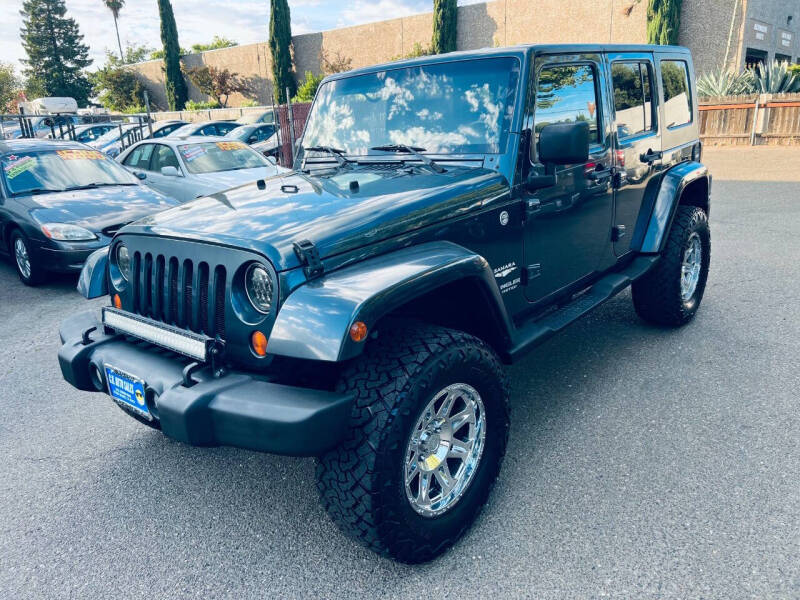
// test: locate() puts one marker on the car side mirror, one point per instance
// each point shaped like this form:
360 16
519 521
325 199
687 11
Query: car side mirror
141 175
170 172
564 143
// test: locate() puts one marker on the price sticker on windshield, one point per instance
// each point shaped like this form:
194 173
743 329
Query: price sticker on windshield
18 165
80 154
230 145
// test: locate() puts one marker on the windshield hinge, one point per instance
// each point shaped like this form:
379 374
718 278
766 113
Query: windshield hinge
308 254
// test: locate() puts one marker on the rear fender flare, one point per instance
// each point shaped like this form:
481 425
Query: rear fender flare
315 320
661 203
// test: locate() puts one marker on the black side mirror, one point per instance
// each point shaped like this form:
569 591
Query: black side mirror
564 143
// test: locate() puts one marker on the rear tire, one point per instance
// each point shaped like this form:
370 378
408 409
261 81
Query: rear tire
407 383
671 292
29 270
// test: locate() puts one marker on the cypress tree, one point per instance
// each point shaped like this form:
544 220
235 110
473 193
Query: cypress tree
280 45
175 84
663 21
55 49
445 19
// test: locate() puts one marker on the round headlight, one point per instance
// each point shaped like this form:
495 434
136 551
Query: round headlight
123 261
258 285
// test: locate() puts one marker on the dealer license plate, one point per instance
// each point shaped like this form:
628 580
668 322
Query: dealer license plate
128 391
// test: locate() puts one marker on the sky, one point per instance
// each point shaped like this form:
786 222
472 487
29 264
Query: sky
244 21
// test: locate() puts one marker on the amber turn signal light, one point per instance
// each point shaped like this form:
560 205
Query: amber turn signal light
358 331
259 343
117 301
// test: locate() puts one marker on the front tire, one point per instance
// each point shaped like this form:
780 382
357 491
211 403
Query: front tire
428 434
671 292
28 269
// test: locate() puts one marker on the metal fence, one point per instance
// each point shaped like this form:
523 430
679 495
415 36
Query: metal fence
63 126
296 114
772 119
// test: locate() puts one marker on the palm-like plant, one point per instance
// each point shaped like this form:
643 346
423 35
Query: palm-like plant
115 6
725 82
775 77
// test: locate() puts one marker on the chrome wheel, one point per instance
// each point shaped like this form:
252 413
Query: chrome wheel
444 450
690 269
23 260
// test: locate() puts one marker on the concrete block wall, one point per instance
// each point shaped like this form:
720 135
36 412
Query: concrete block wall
487 24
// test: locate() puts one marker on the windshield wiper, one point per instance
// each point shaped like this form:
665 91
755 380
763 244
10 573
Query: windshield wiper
412 150
336 153
90 186
34 191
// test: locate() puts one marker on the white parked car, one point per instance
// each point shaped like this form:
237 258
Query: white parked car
260 136
191 167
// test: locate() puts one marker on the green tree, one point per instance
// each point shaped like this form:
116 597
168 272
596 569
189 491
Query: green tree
307 89
118 89
280 45
663 21
445 19
131 53
216 43
175 84
10 85
115 6
55 49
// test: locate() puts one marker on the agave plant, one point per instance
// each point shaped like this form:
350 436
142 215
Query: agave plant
725 82
775 78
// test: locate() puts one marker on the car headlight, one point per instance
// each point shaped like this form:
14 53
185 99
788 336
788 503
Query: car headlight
65 232
258 285
123 261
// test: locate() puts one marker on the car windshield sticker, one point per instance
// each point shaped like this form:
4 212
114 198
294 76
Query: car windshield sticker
80 154
190 153
18 166
230 145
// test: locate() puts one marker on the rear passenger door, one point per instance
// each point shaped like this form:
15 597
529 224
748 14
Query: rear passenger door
638 140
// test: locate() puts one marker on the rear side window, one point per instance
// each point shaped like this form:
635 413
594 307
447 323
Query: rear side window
566 94
633 98
139 158
677 101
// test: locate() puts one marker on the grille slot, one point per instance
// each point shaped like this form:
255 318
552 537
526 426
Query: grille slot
179 293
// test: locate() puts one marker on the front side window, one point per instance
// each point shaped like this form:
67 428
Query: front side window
164 157
566 94
224 128
633 98
677 101
460 107
60 170
210 157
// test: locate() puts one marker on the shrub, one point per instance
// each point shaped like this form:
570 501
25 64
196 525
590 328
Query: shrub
724 82
192 105
775 78
307 89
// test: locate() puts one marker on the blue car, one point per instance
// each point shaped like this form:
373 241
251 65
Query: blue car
60 201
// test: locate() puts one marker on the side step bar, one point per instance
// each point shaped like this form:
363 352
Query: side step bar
533 334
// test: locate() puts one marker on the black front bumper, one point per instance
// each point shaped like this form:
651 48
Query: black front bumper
238 409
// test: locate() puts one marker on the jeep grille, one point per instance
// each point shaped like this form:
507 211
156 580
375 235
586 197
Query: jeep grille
179 292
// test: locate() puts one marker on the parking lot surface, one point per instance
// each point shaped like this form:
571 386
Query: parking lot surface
643 462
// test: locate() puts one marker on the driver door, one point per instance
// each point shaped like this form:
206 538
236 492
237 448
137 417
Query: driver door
568 225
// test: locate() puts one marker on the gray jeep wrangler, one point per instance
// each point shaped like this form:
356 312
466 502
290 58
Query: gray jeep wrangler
444 216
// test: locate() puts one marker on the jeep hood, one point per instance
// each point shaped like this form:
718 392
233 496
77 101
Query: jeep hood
332 211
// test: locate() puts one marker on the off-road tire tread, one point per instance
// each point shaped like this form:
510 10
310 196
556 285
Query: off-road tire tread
346 478
654 296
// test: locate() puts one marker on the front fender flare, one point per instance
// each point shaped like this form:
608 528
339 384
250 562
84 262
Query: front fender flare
651 234
314 322
93 281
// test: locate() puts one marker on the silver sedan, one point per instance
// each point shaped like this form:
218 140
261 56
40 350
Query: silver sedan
191 167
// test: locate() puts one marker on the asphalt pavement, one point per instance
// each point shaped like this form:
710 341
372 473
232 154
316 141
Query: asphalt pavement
642 463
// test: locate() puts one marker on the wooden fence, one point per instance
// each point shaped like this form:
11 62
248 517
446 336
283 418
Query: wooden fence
751 120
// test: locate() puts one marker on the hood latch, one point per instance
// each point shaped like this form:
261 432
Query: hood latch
308 254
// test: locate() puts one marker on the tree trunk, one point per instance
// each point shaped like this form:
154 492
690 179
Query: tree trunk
119 43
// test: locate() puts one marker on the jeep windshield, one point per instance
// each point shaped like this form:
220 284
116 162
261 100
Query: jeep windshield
459 107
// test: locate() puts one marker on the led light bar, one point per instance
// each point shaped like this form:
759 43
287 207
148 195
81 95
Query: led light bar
181 341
